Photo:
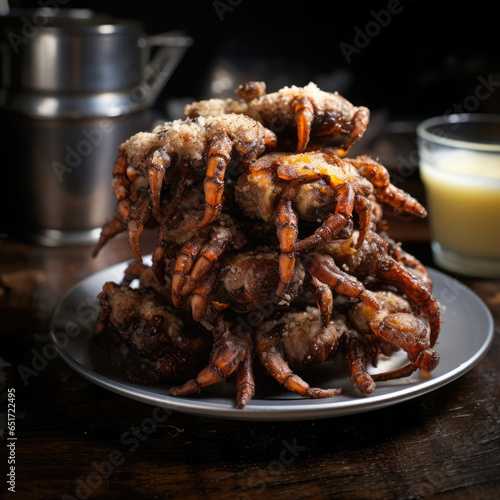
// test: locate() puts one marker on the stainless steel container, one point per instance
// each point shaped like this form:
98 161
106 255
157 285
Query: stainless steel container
75 84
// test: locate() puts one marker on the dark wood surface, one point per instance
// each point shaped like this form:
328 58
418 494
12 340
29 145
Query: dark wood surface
77 440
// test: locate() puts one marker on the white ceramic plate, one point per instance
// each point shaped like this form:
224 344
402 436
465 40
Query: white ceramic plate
466 335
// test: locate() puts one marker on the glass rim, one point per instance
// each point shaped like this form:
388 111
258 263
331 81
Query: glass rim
451 119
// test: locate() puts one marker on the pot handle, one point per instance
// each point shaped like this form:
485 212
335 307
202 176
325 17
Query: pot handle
172 46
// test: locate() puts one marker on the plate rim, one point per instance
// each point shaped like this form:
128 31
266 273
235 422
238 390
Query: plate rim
269 409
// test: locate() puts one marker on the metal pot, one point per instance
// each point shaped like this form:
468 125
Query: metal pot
77 63
75 84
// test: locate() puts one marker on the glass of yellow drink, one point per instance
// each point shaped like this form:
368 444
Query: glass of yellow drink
460 167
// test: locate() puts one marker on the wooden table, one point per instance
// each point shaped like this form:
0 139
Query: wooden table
77 440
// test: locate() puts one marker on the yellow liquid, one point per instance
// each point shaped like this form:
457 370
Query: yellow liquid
463 197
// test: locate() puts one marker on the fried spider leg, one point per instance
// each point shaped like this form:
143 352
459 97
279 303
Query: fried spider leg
395 324
219 155
138 215
184 263
231 353
113 227
133 206
384 191
303 111
199 254
159 164
200 296
357 353
285 220
412 287
327 277
410 334
303 342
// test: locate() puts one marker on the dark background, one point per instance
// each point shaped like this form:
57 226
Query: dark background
426 59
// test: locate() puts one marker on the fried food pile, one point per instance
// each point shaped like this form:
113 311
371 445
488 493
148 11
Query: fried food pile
271 252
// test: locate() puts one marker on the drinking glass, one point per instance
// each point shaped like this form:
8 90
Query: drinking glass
459 158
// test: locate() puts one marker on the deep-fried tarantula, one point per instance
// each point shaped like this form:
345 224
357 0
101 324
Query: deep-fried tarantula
291 239
315 187
302 117
191 149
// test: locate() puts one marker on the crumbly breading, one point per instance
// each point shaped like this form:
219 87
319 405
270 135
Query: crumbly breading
188 138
